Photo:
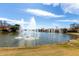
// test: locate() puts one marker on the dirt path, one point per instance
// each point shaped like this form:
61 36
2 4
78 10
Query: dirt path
47 50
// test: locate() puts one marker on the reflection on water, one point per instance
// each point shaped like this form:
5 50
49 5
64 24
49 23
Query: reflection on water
7 39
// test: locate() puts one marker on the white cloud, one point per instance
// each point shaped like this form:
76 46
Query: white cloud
53 4
72 8
46 3
76 21
56 25
40 12
11 21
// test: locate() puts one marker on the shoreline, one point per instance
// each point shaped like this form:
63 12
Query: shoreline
70 48
73 33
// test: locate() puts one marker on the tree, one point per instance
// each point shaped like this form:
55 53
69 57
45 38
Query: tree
14 28
74 27
64 30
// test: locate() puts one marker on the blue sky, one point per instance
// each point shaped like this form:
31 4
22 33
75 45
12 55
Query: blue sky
47 15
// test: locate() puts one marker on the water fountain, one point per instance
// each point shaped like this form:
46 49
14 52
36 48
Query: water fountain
29 36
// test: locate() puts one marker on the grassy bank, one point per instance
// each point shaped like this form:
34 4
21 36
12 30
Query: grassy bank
70 48
46 50
73 33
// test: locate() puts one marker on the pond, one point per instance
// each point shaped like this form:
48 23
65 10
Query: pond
8 39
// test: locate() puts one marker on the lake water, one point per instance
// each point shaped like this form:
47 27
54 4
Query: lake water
8 39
